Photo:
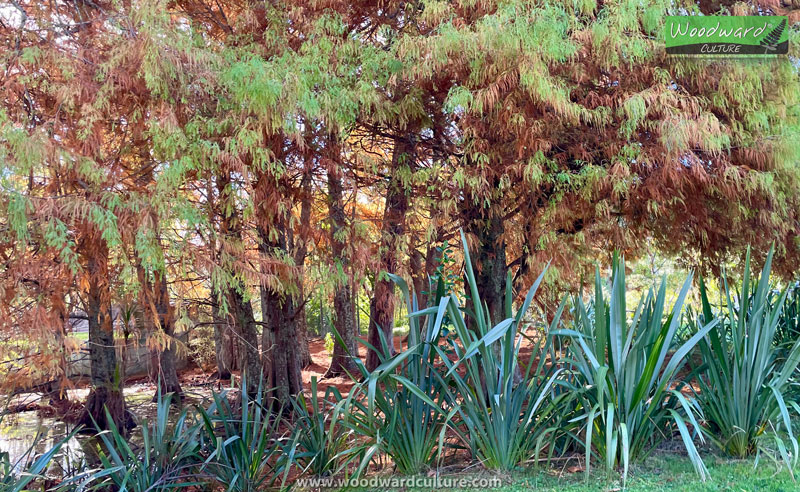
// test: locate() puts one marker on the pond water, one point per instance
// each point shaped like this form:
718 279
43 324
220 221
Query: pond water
18 437
19 431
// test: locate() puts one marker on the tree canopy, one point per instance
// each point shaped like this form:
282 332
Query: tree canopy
230 162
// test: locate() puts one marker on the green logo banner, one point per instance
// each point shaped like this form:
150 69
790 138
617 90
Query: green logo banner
719 35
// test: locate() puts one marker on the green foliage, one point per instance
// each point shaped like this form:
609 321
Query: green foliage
788 330
745 375
321 440
408 403
329 343
201 348
503 420
166 460
626 376
242 441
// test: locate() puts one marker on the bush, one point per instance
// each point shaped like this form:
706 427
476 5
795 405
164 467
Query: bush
625 376
320 440
788 330
745 375
164 461
404 405
242 445
201 348
503 421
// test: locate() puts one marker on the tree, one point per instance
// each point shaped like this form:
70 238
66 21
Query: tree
577 131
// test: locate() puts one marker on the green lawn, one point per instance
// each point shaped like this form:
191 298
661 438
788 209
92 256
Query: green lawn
660 473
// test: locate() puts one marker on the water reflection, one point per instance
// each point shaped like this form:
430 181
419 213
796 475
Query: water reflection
19 431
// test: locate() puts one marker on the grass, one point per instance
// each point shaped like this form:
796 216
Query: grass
661 472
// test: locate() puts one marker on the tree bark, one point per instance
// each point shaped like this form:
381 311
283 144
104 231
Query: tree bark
300 253
166 370
346 349
244 323
106 390
59 398
280 341
419 277
383 303
240 310
224 342
490 274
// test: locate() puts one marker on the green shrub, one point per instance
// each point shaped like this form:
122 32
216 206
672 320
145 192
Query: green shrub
320 440
201 348
166 459
626 376
404 405
329 343
788 330
502 420
745 375
242 442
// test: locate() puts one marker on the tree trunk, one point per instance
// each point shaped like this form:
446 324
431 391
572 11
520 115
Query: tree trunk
491 272
224 342
419 277
300 253
490 265
244 322
106 390
383 303
346 349
280 342
55 389
240 311
167 372
301 325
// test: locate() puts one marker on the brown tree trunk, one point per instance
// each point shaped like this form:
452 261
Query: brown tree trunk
106 390
300 253
58 398
490 274
344 323
240 311
224 342
419 278
301 325
166 369
280 342
383 303
244 322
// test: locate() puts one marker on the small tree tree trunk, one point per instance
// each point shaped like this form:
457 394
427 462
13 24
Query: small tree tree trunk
241 313
58 398
491 272
346 349
383 303
106 390
300 253
224 342
279 338
240 309
419 277
167 373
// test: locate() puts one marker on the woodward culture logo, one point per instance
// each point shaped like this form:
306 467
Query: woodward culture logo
727 35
